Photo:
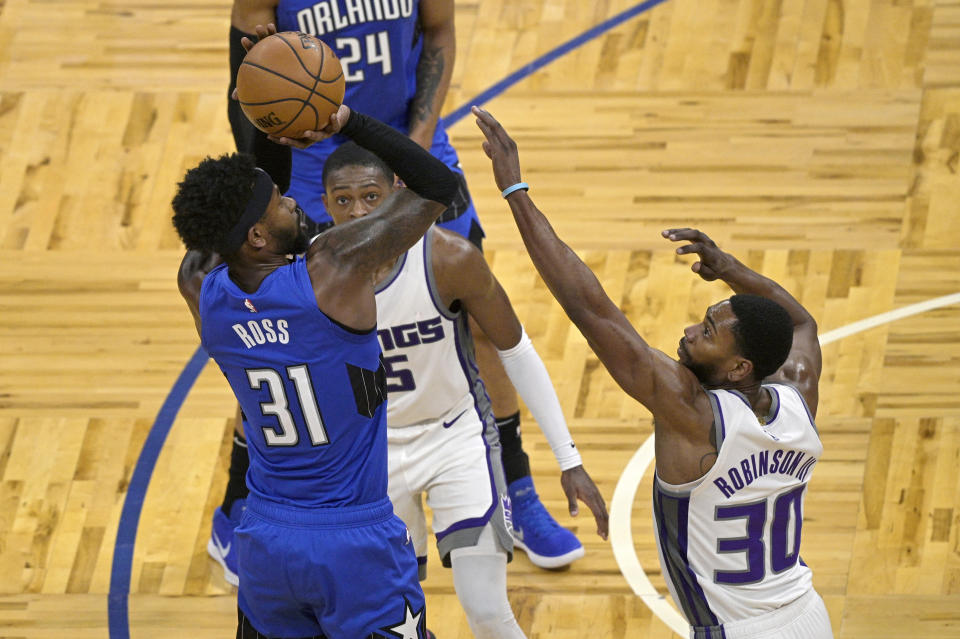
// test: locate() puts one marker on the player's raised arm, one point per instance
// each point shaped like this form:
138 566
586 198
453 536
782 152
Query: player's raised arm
804 363
630 360
408 213
668 389
343 260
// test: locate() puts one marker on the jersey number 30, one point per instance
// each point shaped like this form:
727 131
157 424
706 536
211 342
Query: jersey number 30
279 406
787 507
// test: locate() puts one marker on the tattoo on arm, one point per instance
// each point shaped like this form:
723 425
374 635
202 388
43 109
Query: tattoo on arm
429 72
388 233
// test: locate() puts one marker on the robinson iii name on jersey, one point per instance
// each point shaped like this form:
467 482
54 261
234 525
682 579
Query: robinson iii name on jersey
784 462
330 15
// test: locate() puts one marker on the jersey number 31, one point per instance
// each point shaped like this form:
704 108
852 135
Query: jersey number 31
279 406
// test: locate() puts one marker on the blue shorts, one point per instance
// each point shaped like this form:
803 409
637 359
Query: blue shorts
343 573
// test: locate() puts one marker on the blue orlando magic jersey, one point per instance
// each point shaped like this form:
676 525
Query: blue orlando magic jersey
377 42
379 45
312 390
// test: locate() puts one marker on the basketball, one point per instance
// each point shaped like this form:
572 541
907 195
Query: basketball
289 83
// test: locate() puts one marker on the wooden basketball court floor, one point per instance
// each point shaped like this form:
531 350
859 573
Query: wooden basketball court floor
816 139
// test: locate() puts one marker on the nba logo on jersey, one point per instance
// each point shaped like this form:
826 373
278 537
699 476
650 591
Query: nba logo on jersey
249 305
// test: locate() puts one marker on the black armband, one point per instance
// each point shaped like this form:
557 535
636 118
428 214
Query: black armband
275 159
424 174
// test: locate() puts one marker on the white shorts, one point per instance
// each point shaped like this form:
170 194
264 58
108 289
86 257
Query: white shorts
803 618
459 469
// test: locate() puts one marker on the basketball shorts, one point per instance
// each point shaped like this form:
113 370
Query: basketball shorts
345 572
455 464
804 618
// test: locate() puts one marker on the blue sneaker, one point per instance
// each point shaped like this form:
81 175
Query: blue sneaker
220 545
536 532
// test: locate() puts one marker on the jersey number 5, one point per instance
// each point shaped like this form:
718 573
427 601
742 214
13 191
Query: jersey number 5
754 546
279 406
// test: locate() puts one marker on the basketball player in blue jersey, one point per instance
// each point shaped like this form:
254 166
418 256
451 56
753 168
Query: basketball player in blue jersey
733 418
443 442
398 56
320 552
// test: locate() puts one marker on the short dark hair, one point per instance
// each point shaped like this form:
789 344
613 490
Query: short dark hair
764 332
352 154
211 198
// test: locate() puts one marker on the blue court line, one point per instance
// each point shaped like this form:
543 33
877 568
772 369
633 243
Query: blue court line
481 98
117 610
117 616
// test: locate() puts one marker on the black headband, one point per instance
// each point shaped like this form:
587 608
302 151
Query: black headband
252 212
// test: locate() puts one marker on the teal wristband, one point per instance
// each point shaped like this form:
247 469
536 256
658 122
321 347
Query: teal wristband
516 187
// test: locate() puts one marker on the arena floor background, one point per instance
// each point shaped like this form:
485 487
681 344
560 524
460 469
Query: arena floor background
816 139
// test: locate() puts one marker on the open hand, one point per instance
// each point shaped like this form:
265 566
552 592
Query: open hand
713 261
500 148
262 32
576 484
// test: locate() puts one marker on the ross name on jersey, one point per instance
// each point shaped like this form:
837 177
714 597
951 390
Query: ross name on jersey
328 15
785 462
262 331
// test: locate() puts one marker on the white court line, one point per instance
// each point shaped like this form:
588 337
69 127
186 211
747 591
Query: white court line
621 507
621 540
889 316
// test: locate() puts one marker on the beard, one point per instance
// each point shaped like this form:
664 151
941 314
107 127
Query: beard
703 372
296 242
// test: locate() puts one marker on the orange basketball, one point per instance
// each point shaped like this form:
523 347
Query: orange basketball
289 83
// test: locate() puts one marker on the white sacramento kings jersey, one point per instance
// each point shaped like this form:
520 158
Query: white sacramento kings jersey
427 349
729 542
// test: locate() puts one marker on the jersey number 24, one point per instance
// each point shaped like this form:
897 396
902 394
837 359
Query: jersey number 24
350 52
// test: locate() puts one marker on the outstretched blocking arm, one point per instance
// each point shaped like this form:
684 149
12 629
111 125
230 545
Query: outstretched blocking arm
622 350
461 273
804 363
669 390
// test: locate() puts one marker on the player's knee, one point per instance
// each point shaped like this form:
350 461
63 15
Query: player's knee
486 610
505 626
490 617
486 606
